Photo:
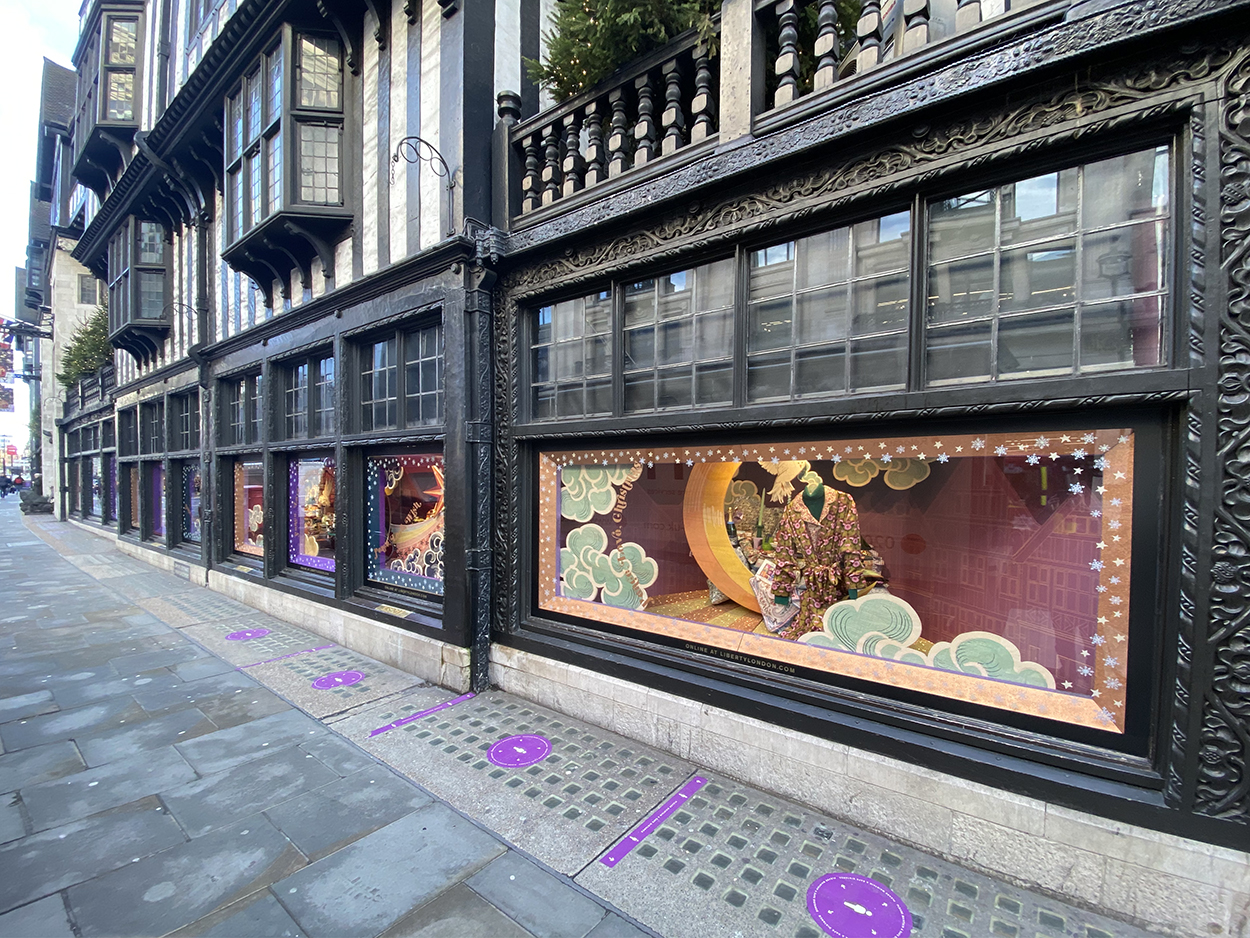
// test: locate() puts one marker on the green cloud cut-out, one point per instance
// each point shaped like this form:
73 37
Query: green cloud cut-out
616 578
988 655
869 626
587 491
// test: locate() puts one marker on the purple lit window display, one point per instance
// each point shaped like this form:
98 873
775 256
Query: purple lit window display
156 474
249 510
97 482
405 520
312 513
192 494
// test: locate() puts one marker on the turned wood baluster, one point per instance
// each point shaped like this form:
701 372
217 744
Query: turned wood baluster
787 65
869 31
595 164
826 45
573 165
644 129
551 165
916 24
674 118
618 138
967 15
531 185
701 105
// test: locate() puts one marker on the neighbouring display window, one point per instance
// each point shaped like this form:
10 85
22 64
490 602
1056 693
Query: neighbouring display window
987 568
405 520
97 486
134 497
192 502
249 508
312 518
156 477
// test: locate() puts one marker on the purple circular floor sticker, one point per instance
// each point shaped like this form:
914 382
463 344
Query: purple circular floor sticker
246 635
849 906
515 752
338 679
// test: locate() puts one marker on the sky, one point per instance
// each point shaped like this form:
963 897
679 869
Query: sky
34 29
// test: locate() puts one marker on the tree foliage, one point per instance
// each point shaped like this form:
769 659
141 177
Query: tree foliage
88 350
591 39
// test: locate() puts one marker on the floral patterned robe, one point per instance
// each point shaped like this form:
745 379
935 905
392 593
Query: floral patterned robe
825 552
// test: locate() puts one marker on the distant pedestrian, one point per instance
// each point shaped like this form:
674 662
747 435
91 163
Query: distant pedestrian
18 481
6 485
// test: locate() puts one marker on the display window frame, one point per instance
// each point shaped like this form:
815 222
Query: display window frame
379 469
154 489
298 497
1144 673
244 508
191 507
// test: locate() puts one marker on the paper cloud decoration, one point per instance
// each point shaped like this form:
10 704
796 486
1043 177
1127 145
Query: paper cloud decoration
988 655
587 568
591 490
879 624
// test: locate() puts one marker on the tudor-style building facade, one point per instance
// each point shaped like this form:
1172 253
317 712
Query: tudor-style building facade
538 404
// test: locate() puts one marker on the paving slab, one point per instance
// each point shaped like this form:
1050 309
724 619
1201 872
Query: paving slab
592 787
227 699
225 749
332 680
77 694
187 882
540 902
69 724
613 926
458 912
52 860
202 667
197 606
735 860
90 656
258 914
335 815
250 639
27 705
368 886
148 733
89 792
39 764
157 659
11 824
46 918
218 800
340 756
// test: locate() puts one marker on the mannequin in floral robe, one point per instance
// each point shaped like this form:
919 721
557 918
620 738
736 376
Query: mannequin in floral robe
823 548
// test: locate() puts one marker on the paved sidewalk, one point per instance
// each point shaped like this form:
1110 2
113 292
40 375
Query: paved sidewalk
176 763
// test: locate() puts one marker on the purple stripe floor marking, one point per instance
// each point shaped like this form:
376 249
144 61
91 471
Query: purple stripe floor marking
424 713
653 821
293 654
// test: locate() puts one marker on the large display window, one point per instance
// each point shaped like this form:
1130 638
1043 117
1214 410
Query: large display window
989 568
249 508
405 521
312 518
156 495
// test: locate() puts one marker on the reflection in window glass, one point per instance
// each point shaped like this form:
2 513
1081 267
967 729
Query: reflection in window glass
829 313
378 386
297 402
678 347
192 499
121 96
319 163
311 520
571 356
1060 274
423 375
121 45
991 568
323 398
249 508
96 504
318 72
405 521
151 243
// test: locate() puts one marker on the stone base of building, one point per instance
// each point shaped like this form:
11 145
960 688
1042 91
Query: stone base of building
1158 881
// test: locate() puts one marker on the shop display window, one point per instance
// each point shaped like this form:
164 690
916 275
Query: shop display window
987 568
312 519
249 508
192 501
134 497
405 520
96 507
156 475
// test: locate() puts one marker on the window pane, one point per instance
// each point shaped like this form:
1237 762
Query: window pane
192 501
882 244
963 225
1126 188
639 302
714 284
256 199
275 84
323 406
151 243
824 258
879 363
255 96
274 145
423 375
880 305
121 44
297 402
1122 261
822 316
772 271
1041 207
769 324
318 72
820 371
234 121
960 353
249 510
156 499
405 521
121 96
378 386
87 290
1035 345
311 517
319 163
768 377
151 295
572 342
1044 275
1125 334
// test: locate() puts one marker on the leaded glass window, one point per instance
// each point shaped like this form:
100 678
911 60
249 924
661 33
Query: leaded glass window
571 358
319 69
423 376
319 163
378 387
